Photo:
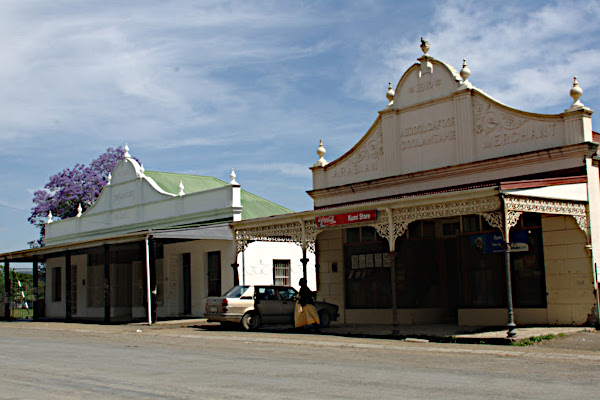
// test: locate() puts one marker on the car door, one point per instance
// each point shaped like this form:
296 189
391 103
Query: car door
267 303
288 303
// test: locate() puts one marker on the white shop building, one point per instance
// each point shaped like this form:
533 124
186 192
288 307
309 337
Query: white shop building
158 238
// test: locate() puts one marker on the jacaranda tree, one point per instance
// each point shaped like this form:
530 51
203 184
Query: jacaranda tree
71 187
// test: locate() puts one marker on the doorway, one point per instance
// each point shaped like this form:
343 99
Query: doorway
187 284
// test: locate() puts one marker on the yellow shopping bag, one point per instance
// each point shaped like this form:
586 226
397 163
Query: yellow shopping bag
306 315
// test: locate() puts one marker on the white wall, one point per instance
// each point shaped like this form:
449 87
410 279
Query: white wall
256 263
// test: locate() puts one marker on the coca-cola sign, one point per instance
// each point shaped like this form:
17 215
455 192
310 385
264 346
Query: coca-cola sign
348 218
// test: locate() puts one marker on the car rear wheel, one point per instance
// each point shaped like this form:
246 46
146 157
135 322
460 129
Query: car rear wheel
251 321
324 319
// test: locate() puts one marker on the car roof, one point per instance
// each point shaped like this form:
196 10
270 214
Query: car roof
273 287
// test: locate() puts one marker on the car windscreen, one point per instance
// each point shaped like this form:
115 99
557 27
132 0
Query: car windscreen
236 292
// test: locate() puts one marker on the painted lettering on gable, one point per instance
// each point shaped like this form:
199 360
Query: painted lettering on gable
120 198
427 133
424 86
355 169
519 136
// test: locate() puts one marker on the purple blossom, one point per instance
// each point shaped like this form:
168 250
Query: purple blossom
67 189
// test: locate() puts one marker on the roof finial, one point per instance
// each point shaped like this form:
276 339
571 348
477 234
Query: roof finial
321 152
576 93
181 193
390 94
141 172
465 72
232 176
109 178
425 46
126 148
49 217
79 210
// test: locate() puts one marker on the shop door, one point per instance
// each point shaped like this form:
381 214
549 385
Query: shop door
187 284
450 273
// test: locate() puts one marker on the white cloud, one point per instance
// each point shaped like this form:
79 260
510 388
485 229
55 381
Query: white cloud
97 69
522 54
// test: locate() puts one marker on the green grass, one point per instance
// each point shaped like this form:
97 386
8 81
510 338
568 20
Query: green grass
536 339
21 313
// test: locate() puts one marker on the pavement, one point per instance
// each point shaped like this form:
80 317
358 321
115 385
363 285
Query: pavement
565 337
576 337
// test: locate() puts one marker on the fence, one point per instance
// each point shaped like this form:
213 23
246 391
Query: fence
23 295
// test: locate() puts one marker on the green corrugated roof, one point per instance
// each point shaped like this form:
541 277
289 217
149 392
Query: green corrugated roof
169 182
253 206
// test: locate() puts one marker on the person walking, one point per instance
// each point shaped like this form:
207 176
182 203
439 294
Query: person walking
305 313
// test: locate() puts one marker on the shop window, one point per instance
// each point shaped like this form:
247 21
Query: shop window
421 229
281 272
533 220
56 284
485 226
527 267
484 276
367 270
470 223
367 234
95 286
159 249
414 230
363 234
451 228
73 289
353 235
428 229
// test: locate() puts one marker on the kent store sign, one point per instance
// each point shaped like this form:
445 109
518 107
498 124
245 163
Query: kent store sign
348 218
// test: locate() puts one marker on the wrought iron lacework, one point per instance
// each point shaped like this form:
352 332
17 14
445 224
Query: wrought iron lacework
289 232
403 216
577 210
488 207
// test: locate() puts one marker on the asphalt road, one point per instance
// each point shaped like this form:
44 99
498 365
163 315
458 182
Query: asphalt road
70 362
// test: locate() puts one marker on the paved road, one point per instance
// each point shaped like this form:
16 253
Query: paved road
64 361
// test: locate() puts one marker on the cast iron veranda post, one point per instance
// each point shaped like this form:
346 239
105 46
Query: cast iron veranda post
394 290
68 285
7 288
236 275
36 289
304 262
511 317
106 283
509 299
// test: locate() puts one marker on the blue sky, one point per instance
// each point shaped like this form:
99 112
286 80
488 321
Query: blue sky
203 87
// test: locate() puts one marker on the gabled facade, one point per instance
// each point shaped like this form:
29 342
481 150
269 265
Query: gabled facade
156 238
456 208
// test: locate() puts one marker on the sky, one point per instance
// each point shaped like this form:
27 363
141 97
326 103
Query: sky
200 87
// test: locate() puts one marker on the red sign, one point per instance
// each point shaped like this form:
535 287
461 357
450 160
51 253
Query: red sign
349 218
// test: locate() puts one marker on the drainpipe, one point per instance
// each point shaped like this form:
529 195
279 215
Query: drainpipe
596 288
148 289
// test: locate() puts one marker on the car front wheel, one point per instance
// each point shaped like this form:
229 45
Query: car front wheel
324 319
251 321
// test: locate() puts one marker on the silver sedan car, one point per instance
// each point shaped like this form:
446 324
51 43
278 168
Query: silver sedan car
256 305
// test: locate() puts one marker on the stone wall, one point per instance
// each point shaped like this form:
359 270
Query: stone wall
569 279
330 286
